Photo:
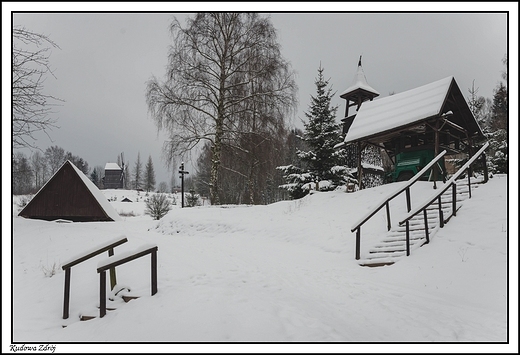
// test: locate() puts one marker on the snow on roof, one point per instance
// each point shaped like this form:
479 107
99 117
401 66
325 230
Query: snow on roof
359 82
98 195
112 166
399 109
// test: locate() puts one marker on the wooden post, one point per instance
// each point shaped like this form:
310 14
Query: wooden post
426 226
102 294
66 295
358 242
154 272
388 222
113 281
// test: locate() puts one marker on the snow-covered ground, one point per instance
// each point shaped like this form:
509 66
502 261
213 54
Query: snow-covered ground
283 273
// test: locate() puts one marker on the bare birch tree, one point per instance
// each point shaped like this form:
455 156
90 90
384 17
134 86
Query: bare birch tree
220 65
32 108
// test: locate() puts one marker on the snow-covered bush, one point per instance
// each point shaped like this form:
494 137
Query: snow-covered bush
157 206
192 199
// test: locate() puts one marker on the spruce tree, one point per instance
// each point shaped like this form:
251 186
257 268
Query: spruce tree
138 172
149 175
321 134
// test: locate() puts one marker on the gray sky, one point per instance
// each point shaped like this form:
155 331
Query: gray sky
106 58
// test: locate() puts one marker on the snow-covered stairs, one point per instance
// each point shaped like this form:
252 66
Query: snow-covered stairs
393 245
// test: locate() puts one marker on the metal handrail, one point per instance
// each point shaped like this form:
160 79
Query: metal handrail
357 227
450 182
437 196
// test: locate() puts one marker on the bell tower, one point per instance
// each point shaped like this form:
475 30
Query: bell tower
356 94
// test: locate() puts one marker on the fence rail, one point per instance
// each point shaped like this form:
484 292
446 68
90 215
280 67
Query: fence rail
112 262
109 246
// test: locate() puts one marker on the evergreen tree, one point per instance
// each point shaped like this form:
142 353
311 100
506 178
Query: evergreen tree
94 177
319 162
138 172
22 175
321 133
149 176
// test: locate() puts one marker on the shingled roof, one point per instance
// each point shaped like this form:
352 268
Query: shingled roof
379 119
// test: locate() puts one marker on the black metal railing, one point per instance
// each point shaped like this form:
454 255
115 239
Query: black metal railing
437 197
405 188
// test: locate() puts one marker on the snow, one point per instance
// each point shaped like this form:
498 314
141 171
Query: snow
359 82
112 166
282 273
399 110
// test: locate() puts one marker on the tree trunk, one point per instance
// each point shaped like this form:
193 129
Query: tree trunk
215 165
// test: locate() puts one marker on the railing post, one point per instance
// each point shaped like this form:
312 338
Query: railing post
388 222
113 281
441 216
454 198
102 294
154 272
408 202
66 295
426 226
407 238
358 242
469 181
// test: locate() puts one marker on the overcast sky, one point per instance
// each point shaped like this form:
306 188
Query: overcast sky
106 59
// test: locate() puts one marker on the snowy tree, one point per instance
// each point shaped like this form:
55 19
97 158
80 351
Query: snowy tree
493 118
79 162
55 157
224 70
297 181
322 162
138 171
22 174
94 177
39 168
149 175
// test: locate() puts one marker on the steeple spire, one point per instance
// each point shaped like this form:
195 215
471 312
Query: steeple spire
359 91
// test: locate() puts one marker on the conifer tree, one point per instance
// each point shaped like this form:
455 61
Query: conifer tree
138 172
321 133
149 176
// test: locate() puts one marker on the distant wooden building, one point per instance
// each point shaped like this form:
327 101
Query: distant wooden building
70 195
113 176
